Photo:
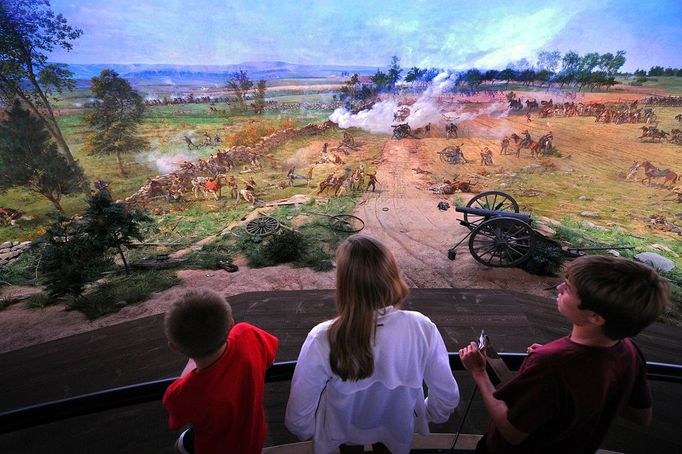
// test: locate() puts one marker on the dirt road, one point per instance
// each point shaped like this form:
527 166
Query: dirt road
403 214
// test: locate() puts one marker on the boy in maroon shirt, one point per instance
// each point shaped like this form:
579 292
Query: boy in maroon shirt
220 392
568 392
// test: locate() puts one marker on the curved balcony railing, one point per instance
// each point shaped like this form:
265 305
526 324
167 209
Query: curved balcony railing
140 393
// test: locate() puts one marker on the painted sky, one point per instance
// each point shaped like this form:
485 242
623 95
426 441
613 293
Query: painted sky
451 34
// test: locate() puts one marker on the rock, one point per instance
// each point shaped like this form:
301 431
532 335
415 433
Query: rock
594 226
6 244
657 261
583 197
589 214
545 230
613 252
661 247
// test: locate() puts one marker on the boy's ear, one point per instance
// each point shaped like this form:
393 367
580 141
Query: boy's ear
597 319
174 348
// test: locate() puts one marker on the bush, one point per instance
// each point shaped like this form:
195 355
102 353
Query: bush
283 247
250 135
546 260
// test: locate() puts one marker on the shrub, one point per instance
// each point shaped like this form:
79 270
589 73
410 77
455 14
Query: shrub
250 135
283 247
546 260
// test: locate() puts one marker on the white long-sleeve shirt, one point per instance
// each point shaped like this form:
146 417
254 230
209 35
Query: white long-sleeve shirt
387 407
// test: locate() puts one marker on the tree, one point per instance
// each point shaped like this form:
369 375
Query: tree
114 116
73 250
394 71
259 97
549 60
110 225
656 71
616 63
381 80
29 32
491 75
570 62
240 84
472 77
507 74
29 158
414 74
67 260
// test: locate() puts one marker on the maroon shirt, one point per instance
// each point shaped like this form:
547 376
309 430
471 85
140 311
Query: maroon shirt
224 402
565 396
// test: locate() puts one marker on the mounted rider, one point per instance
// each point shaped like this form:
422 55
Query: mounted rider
526 138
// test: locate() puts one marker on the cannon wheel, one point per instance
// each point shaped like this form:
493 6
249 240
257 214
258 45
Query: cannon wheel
490 200
262 226
346 223
502 242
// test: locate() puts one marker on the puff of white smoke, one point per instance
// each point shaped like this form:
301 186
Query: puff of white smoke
377 120
166 163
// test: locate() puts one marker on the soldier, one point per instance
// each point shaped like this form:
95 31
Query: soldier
372 181
504 145
324 147
232 183
526 138
486 157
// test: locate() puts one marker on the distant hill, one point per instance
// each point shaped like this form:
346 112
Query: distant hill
143 74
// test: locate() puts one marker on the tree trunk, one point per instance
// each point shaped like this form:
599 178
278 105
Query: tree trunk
54 200
123 258
121 170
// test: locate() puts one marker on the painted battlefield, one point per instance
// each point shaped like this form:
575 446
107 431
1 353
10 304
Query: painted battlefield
150 148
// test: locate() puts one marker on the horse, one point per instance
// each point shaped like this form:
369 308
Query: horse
515 104
533 146
652 171
207 185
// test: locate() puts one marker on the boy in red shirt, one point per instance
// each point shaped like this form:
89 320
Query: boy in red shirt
568 391
220 391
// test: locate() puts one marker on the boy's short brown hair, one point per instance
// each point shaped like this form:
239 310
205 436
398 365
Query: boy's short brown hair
629 295
198 322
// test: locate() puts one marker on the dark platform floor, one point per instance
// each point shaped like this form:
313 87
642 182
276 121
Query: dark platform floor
136 351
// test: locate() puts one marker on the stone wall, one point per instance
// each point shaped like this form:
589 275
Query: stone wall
11 250
239 154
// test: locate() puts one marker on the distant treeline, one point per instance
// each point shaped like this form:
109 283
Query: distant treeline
657 71
589 71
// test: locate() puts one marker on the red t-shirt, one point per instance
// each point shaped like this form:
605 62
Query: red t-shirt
566 395
224 403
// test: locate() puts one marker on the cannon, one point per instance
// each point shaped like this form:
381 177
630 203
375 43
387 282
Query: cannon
500 236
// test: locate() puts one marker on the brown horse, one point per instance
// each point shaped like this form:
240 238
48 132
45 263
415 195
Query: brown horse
533 146
651 171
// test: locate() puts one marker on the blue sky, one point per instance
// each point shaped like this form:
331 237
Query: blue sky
452 34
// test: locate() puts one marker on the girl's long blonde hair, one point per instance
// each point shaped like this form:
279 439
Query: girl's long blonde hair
367 279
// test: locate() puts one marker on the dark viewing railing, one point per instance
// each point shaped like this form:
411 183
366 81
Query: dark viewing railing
140 393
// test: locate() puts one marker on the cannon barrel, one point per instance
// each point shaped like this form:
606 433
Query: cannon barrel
493 213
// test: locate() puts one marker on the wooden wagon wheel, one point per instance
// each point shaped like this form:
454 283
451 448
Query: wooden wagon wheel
346 223
262 226
502 242
490 200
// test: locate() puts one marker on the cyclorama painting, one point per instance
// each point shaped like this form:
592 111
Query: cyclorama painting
150 146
